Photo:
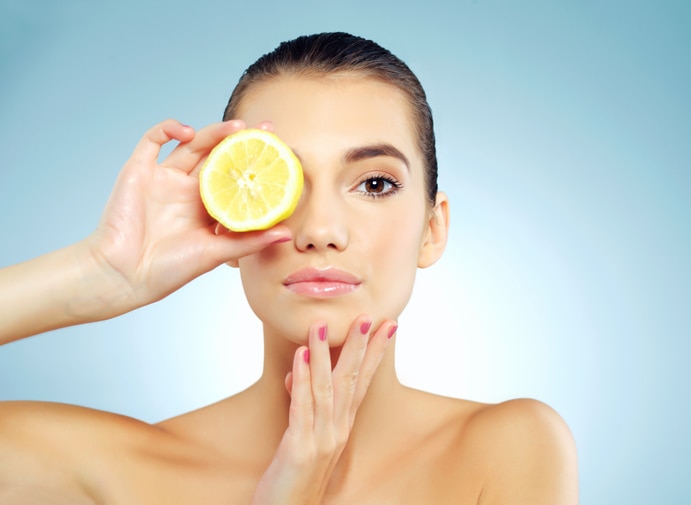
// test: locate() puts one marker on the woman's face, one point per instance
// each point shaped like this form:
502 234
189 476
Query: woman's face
362 221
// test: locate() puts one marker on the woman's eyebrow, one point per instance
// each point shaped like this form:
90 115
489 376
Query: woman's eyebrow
372 151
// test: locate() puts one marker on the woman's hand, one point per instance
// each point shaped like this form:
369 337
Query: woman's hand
322 412
155 235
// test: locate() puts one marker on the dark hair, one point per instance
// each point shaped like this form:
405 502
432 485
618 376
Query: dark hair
328 53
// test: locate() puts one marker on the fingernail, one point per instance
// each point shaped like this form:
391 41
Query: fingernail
322 333
365 326
306 356
392 330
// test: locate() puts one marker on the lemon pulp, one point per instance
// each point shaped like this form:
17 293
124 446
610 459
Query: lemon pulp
251 181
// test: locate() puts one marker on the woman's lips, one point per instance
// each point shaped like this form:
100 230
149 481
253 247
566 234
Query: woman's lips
321 283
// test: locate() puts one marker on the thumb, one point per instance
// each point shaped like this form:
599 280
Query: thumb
230 246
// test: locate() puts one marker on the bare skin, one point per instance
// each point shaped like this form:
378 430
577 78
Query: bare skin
328 422
69 455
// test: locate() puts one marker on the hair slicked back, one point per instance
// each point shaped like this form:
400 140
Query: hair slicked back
327 54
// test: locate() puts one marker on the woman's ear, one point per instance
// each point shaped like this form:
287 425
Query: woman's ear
434 241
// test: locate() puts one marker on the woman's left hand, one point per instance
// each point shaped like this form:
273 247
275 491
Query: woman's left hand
323 406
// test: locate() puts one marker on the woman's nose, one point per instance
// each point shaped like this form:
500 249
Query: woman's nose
319 222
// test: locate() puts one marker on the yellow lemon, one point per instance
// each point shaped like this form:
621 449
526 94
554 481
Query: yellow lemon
251 181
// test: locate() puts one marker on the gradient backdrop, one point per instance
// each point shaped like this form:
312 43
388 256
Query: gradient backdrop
564 137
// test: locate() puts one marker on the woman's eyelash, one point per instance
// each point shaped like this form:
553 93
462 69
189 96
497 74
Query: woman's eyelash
378 186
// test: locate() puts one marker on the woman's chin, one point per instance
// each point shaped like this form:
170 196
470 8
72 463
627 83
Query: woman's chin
295 329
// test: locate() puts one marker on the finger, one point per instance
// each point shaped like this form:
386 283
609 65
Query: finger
229 246
189 155
320 372
376 349
149 146
347 370
301 415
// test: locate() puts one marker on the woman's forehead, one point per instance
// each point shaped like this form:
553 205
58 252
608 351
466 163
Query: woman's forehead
344 104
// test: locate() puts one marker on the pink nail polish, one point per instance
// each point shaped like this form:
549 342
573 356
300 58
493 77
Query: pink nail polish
322 333
306 355
365 326
392 330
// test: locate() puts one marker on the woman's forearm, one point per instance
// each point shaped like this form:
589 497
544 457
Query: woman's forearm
62 288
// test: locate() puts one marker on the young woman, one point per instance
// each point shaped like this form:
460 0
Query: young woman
328 421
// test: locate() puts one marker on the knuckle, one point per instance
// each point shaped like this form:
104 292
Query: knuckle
302 408
366 378
304 457
342 437
350 380
324 390
331 445
325 451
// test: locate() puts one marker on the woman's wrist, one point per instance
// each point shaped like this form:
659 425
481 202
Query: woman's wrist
66 287
96 291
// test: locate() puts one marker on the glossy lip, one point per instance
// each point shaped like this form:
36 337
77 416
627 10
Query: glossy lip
321 283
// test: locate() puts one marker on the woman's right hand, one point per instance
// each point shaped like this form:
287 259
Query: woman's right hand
155 235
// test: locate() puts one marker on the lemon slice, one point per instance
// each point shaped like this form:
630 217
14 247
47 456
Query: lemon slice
250 181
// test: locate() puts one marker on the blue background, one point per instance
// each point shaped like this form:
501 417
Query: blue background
564 138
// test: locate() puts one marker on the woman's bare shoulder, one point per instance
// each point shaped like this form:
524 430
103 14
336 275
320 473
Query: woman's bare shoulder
524 417
519 451
520 423
34 422
55 445
526 449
